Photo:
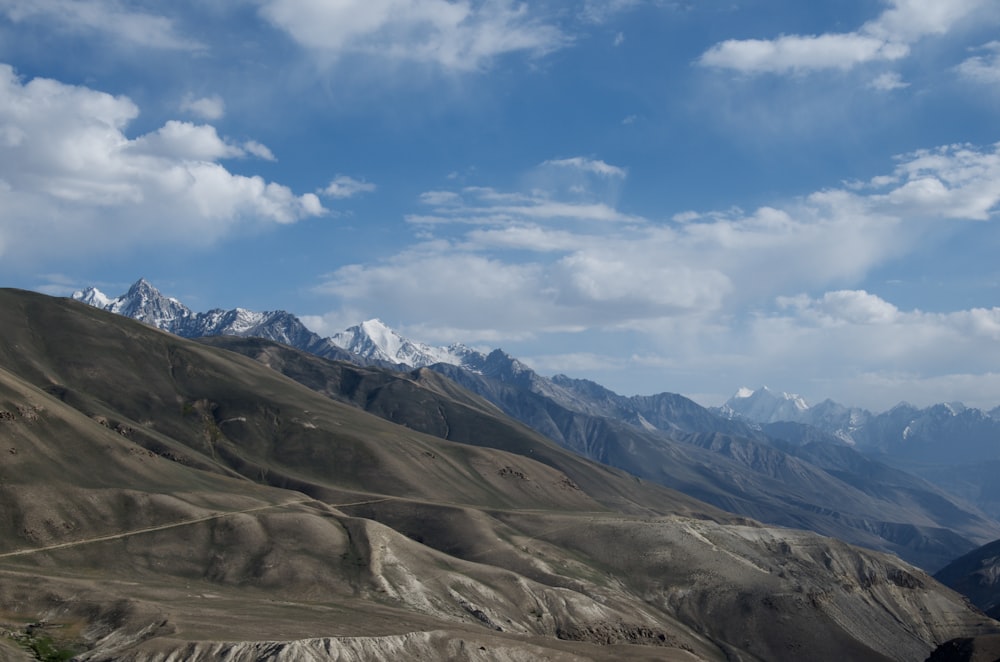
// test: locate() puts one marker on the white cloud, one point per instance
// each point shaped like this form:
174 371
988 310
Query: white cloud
595 166
207 108
343 186
260 151
71 180
496 262
953 181
870 351
886 38
457 35
790 54
487 206
843 307
909 20
983 68
888 81
109 17
184 141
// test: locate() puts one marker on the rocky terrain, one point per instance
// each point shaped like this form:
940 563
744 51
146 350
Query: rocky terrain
165 500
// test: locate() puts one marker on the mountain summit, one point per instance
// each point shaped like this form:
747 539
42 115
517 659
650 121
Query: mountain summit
147 304
765 406
376 341
142 302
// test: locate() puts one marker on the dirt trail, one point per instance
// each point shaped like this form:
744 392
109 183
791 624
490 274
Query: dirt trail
171 525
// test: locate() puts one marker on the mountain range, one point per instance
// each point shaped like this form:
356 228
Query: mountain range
168 499
778 476
954 446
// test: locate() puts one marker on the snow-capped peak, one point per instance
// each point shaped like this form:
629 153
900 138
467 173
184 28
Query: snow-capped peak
92 297
765 406
375 340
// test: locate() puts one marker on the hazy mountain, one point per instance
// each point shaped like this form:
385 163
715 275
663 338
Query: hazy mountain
947 432
171 500
954 446
764 406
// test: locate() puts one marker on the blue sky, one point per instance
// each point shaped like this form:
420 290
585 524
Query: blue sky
659 196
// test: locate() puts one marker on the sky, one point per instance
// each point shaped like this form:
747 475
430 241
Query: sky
682 196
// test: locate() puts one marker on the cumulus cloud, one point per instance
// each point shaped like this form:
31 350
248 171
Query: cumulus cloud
184 141
72 180
343 186
888 37
843 307
454 34
207 108
952 181
106 17
983 68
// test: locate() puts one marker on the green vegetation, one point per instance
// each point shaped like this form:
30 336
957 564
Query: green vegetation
43 646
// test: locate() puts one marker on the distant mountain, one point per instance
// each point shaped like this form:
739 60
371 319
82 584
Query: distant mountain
954 446
764 406
947 432
145 303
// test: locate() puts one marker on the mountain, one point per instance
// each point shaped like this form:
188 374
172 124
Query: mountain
376 342
977 576
669 439
145 303
764 406
858 500
946 432
166 499
953 446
